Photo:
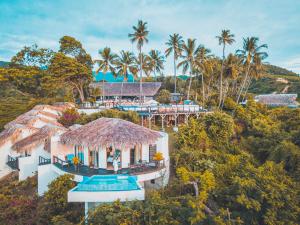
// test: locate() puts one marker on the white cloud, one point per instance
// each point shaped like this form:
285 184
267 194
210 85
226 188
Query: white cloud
293 64
107 23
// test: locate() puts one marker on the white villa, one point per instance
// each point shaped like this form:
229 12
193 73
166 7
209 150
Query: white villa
116 161
110 158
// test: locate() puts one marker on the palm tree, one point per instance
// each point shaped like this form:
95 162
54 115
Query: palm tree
203 66
255 71
250 50
144 61
189 60
140 37
232 69
106 63
225 38
125 64
156 62
174 44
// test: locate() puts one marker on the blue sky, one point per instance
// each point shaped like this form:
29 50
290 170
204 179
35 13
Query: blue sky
107 23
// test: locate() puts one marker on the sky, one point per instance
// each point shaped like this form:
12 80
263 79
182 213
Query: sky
101 23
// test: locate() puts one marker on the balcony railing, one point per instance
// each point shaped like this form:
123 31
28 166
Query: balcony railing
44 161
13 162
84 170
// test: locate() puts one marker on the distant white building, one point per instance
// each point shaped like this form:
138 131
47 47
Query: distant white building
275 100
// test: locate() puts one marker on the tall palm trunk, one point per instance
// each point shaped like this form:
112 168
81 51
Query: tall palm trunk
244 82
203 91
225 92
141 74
189 88
103 87
247 88
221 78
175 87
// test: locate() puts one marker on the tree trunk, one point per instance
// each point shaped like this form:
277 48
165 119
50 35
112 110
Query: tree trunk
103 88
203 91
225 92
175 86
246 91
81 94
221 78
196 189
189 88
243 84
141 75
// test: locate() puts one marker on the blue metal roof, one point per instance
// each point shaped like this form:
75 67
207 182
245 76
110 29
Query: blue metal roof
109 77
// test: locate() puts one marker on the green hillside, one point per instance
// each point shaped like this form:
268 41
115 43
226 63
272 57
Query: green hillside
274 83
4 64
276 70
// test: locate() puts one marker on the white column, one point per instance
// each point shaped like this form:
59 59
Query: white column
86 211
102 158
145 152
86 155
125 158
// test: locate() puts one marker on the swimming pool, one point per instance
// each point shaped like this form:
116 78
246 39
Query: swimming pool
109 183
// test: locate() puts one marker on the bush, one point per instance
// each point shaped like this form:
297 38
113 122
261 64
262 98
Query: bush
164 96
69 117
110 113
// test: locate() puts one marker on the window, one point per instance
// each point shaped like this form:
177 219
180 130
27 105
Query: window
152 152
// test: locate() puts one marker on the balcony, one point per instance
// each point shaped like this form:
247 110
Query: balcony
43 161
83 170
13 162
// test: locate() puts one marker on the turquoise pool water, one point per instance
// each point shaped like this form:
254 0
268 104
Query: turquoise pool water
109 183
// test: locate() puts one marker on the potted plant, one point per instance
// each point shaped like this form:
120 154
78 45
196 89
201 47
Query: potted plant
76 162
158 157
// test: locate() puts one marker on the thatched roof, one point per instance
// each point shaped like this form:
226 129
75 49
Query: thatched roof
108 132
59 107
75 126
27 120
12 132
41 136
128 89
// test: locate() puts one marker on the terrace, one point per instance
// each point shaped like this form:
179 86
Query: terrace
84 170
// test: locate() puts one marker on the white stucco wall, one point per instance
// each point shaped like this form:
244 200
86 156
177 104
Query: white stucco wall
58 149
29 165
45 176
105 196
4 151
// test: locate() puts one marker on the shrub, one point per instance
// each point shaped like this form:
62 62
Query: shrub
69 117
164 96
